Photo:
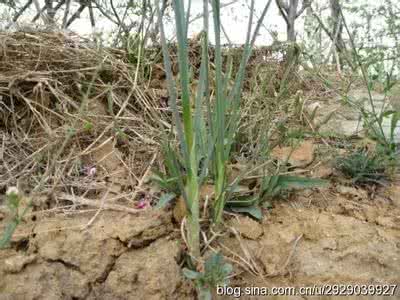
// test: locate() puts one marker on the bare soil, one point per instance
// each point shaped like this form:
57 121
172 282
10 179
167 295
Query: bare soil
339 235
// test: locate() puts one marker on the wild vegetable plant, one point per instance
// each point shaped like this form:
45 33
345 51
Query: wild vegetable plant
363 167
373 120
215 273
205 139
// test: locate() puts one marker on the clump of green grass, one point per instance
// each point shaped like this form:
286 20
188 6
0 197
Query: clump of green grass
363 167
205 138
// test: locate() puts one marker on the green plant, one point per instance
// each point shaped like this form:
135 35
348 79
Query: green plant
362 166
215 273
88 126
374 119
205 139
17 211
271 187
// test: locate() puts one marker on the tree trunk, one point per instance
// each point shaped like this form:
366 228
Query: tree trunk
291 32
337 30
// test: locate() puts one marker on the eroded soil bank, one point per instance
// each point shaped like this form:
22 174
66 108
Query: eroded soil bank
337 235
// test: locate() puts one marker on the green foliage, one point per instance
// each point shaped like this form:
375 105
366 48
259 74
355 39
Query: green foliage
374 120
167 183
362 166
13 201
215 273
272 186
164 200
205 136
88 126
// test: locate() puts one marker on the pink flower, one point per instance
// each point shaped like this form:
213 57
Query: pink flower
89 171
92 171
142 204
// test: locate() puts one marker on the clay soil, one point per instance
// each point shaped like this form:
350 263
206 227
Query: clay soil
335 236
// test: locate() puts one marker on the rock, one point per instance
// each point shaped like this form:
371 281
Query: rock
247 227
302 156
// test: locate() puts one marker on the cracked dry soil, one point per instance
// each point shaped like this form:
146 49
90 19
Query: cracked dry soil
347 238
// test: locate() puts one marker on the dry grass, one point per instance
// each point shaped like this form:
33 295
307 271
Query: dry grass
61 99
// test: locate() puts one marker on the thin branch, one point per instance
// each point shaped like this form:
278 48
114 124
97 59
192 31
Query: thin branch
66 13
61 3
75 15
306 4
282 10
21 11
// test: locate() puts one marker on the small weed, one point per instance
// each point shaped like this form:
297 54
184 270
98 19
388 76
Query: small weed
215 273
271 187
13 200
88 126
363 167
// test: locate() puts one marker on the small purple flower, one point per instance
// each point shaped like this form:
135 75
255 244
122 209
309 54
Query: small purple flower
142 204
92 171
89 171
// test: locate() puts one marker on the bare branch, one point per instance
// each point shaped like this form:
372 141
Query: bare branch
76 15
21 11
284 5
66 13
61 3
283 10
306 4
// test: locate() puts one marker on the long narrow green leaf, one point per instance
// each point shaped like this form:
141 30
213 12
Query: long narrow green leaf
297 182
234 96
183 62
170 84
254 211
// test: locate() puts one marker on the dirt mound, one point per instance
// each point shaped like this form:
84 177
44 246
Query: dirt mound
64 258
339 237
